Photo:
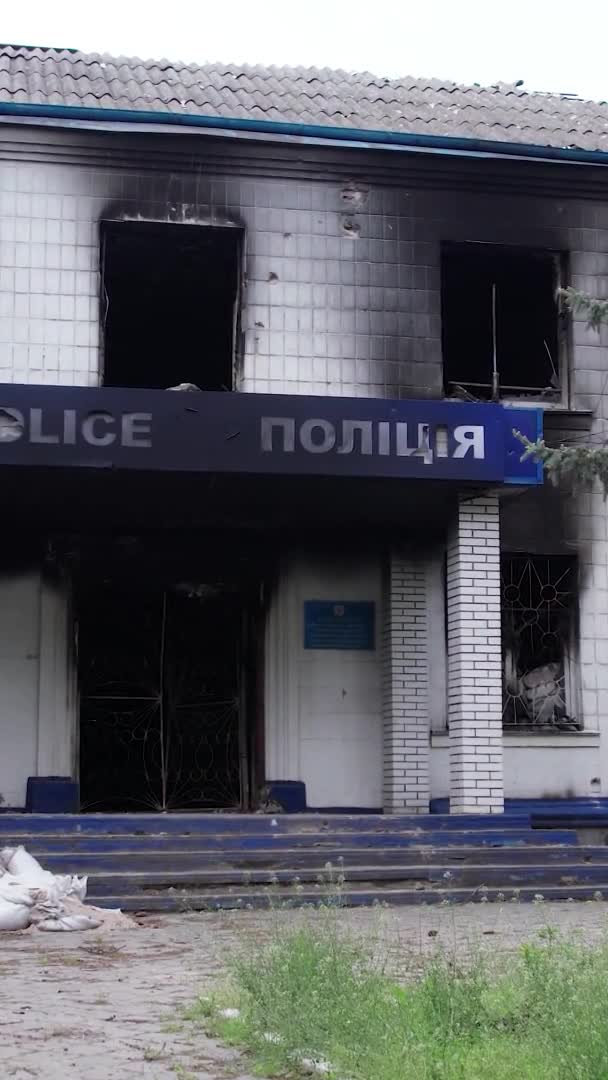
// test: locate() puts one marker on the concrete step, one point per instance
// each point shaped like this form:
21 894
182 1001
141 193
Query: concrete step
252 898
170 860
191 861
588 810
251 824
411 876
493 836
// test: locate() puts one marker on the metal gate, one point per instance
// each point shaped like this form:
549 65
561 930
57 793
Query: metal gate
161 714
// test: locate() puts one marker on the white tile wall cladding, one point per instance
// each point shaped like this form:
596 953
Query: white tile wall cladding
323 313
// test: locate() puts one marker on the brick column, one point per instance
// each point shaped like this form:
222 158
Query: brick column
474 658
405 707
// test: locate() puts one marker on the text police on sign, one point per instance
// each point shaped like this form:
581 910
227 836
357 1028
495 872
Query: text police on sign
265 434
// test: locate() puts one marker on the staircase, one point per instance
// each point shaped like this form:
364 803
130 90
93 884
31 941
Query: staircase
183 862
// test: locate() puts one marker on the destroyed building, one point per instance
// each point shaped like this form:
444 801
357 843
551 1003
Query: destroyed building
266 337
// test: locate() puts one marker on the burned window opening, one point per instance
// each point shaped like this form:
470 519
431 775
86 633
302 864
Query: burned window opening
539 594
169 302
501 331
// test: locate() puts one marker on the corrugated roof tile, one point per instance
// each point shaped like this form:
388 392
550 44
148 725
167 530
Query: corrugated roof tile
503 112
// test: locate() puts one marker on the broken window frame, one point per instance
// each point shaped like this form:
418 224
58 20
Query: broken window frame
109 223
560 398
523 709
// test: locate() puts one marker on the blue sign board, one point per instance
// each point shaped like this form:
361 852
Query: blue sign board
266 434
339 624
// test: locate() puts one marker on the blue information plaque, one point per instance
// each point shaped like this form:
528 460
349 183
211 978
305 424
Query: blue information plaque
339 624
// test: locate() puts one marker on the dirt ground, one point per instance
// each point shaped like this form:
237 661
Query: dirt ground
108 1006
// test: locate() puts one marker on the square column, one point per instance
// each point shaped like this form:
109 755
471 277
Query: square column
475 658
405 704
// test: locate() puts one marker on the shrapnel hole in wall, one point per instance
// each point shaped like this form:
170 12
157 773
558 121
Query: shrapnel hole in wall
169 295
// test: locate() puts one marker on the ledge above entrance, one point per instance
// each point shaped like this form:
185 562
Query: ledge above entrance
265 435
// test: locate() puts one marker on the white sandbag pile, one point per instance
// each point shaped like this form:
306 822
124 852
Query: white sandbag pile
32 896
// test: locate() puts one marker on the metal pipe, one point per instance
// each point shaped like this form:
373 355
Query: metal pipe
495 385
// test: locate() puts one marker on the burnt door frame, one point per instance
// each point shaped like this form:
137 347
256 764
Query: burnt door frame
150 719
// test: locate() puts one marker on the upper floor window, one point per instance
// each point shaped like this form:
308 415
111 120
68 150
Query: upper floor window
169 304
502 332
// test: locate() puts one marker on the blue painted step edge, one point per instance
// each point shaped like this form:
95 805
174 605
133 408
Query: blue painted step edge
544 813
270 842
255 824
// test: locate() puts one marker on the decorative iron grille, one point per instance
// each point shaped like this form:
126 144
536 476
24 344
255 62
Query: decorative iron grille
538 627
160 703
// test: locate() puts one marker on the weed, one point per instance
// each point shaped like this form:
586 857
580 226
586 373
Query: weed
100 947
182 1073
171 1028
59 959
315 993
153 1053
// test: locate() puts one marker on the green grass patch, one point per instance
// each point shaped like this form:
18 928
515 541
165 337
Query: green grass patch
317 993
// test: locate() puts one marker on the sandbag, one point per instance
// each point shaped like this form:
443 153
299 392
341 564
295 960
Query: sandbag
69 922
14 916
53 887
21 864
78 887
13 891
64 885
32 896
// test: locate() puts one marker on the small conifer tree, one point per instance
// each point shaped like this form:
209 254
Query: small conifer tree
579 466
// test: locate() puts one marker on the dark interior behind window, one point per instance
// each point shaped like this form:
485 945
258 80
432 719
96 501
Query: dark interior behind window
507 297
169 296
538 609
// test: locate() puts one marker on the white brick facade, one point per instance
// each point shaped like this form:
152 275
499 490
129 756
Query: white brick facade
474 658
405 705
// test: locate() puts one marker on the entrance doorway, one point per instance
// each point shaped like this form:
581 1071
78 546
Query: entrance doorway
162 697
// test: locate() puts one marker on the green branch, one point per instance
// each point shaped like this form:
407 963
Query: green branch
579 303
578 466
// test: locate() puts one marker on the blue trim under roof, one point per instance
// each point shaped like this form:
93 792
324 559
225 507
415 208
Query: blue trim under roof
392 140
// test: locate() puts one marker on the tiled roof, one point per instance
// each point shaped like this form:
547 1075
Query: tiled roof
503 113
